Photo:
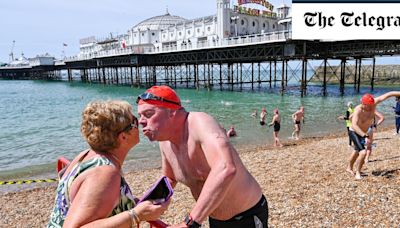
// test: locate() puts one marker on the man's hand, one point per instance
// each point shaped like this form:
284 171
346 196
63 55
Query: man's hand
180 225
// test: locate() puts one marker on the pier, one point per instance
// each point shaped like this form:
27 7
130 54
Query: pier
237 48
232 67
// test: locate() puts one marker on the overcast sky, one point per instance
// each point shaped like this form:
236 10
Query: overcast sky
42 26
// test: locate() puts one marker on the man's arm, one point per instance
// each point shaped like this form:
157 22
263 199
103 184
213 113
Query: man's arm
219 155
381 118
386 96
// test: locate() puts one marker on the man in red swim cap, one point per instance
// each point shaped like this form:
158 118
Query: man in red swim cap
360 132
196 152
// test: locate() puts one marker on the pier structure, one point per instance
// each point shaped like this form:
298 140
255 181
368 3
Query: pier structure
235 49
268 64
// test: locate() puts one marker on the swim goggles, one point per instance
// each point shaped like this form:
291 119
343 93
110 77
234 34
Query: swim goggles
149 96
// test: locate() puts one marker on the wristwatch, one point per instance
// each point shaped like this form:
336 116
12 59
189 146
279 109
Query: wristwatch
191 223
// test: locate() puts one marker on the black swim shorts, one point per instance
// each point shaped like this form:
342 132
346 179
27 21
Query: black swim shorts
358 141
255 217
277 126
262 123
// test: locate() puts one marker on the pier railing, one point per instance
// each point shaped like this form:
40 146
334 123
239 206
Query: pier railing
232 41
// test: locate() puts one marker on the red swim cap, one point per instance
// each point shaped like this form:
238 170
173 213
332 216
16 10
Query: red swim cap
367 99
161 96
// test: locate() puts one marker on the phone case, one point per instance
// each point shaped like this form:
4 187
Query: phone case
159 192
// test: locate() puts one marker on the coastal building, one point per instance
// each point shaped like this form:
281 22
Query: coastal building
236 24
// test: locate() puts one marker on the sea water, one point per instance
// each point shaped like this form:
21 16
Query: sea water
40 120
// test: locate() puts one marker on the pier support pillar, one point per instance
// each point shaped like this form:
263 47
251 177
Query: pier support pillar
373 74
270 74
252 76
324 82
359 76
274 73
283 78
355 74
342 76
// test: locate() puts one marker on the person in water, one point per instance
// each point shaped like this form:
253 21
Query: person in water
263 115
297 117
92 191
254 113
360 131
276 122
231 132
196 152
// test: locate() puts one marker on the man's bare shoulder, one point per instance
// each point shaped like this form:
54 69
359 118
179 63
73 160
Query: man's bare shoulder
201 119
201 123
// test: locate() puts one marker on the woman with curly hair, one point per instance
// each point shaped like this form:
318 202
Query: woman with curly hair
93 192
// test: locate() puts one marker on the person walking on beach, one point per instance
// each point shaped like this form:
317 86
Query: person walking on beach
297 117
276 122
397 115
263 115
92 191
346 118
361 129
196 152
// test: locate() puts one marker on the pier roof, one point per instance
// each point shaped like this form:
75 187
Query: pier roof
159 22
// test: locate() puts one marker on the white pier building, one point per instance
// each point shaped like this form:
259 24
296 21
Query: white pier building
230 26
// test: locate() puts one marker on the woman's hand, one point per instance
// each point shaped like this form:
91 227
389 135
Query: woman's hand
147 211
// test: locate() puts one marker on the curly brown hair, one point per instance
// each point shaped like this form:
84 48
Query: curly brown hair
102 121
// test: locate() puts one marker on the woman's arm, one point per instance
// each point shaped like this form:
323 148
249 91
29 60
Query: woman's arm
97 195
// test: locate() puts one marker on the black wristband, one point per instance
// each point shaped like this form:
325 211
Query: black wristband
191 223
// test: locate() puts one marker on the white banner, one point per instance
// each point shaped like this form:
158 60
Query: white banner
346 21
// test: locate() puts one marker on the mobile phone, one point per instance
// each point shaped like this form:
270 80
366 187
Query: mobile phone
160 192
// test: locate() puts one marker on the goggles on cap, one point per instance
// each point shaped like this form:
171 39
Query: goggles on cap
149 96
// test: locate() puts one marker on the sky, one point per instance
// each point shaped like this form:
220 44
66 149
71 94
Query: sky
43 26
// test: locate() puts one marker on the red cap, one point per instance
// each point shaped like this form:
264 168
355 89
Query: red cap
166 93
367 99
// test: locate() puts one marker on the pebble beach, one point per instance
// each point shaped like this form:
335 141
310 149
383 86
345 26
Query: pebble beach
305 183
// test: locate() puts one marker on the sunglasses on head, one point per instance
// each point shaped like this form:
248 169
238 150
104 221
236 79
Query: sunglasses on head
149 96
134 124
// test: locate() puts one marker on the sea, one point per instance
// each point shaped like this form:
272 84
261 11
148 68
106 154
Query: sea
40 120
